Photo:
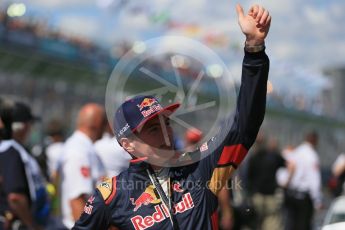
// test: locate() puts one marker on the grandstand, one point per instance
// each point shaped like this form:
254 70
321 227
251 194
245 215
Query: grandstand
57 73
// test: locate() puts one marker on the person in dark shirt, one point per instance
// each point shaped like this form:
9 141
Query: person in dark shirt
262 184
17 184
5 120
14 186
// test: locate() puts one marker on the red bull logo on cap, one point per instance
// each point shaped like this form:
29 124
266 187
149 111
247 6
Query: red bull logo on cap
149 106
147 197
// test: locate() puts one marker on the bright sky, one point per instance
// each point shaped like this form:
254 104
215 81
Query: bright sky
306 34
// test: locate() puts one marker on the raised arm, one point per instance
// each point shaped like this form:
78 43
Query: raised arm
226 155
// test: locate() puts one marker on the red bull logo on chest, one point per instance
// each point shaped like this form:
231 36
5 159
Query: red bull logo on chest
149 196
161 213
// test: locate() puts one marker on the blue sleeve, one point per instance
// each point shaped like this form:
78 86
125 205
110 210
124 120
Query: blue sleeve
227 149
95 216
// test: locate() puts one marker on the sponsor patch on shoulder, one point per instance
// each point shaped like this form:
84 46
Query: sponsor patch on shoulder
88 209
107 188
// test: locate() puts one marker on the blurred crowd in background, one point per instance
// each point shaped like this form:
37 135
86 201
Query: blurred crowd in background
42 186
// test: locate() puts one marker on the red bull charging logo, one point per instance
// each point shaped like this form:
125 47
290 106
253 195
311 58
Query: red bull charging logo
149 106
147 197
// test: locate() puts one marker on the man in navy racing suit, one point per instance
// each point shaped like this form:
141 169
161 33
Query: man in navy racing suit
151 196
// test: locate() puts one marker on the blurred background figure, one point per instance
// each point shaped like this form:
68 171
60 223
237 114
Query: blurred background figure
226 211
287 150
23 120
52 154
23 197
1 129
54 141
2 125
81 166
191 138
262 185
113 156
303 193
284 175
338 172
187 143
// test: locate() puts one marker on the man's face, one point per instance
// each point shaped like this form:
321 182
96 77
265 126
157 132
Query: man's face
154 140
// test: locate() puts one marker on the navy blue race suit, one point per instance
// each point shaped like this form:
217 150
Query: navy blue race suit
130 201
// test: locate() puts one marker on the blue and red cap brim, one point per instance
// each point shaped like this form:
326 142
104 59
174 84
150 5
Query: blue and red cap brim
166 111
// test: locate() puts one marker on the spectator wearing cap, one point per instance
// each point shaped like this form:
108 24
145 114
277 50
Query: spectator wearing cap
192 137
23 201
22 122
80 166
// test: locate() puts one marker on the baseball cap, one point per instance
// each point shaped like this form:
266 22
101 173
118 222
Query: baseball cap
136 111
22 113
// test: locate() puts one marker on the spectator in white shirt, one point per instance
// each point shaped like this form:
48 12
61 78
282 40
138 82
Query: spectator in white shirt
303 193
55 136
81 166
114 158
338 171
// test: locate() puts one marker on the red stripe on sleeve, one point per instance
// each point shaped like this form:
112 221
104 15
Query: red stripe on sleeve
113 192
214 220
232 154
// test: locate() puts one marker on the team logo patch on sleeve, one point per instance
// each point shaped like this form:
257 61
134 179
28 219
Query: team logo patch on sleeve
204 147
107 188
88 206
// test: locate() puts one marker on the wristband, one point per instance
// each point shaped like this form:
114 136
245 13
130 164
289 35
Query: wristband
254 49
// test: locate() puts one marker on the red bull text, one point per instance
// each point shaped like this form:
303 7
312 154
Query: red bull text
161 213
150 105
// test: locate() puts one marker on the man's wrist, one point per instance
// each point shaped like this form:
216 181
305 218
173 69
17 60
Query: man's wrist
254 47
254 41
